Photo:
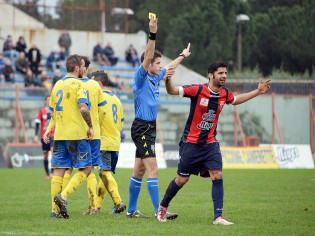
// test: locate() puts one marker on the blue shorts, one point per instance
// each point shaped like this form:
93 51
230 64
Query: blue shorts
109 160
95 152
46 146
71 153
197 159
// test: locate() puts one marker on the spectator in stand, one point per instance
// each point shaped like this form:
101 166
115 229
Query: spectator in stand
21 45
61 63
9 48
21 64
132 56
65 41
57 76
2 63
34 58
7 72
52 59
29 78
114 85
8 44
125 87
43 80
99 56
110 54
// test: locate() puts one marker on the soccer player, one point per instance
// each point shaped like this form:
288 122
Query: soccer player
199 151
110 144
42 121
73 131
143 130
97 110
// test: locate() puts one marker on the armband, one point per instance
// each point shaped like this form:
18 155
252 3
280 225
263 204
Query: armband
152 36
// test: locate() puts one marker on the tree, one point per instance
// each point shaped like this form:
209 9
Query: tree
280 34
282 37
209 25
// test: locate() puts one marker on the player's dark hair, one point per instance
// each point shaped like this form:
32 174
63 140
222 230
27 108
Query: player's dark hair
73 61
156 55
215 65
87 61
101 76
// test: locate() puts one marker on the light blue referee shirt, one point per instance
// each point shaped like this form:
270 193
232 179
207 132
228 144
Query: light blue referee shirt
147 93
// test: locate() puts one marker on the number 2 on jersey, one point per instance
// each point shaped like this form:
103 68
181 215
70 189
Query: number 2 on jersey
58 106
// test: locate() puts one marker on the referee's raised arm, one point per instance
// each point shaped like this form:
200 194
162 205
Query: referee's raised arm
149 51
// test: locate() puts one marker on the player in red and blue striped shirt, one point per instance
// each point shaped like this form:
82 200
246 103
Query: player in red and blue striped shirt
199 151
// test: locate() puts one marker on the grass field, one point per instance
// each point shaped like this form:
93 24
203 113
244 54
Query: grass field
260 202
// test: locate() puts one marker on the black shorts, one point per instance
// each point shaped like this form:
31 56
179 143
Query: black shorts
143 134
46 146
197 159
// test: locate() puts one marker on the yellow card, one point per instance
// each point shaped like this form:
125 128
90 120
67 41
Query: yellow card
152 15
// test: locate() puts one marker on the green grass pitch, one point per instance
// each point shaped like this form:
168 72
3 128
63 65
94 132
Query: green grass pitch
259 202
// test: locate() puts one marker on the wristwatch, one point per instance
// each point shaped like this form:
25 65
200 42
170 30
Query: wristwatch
182 55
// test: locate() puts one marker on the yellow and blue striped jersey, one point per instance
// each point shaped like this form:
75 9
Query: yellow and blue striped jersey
113 122
64 103
96 104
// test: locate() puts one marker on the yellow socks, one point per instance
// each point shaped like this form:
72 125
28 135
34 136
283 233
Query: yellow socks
74 183
101 191
91 187
111 186
65 181
55 188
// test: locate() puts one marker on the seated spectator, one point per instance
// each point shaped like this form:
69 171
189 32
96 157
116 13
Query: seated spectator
9 48
132 56
29 78
21 45
99 56
51 61
125 87
61 62
7 72
44 81
34 58
110 54
57 76
2 62
21 64
114 85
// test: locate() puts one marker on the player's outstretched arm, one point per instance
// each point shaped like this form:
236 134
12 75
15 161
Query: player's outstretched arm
170 87
263 87
87 117
185 53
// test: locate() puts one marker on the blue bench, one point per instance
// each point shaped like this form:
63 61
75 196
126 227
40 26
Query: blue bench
122 76
23 98
117 68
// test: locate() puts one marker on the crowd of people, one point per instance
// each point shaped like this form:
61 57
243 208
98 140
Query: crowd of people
87 126
106 55
19 62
